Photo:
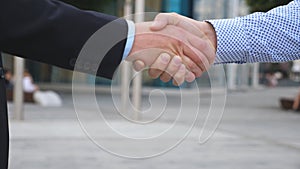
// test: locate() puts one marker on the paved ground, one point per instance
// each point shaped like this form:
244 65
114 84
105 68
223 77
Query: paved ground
254 134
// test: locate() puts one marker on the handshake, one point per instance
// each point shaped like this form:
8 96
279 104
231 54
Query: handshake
173 47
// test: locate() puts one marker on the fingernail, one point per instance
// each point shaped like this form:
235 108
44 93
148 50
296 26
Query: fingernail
190 77
182 68
139 65
165 58
177 60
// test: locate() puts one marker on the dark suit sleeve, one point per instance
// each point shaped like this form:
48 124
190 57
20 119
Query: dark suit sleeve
53 32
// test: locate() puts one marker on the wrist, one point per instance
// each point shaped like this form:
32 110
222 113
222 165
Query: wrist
130 39
210 32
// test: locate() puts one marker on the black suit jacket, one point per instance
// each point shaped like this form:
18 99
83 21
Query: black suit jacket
3 125
52 32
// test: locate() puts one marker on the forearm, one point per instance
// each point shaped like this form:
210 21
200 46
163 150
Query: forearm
53 32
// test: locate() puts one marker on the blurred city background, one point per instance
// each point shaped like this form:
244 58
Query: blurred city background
239 75
257 129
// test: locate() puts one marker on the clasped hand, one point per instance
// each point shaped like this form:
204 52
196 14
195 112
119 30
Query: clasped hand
173 47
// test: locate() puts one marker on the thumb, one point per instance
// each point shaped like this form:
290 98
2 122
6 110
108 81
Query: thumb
160 22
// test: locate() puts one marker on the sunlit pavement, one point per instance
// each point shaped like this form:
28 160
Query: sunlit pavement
254 133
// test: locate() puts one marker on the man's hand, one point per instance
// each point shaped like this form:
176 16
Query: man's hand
164 19
190 45
162 63
202 30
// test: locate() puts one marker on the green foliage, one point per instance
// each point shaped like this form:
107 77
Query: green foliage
265 5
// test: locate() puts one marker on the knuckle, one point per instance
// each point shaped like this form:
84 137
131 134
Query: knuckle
202 45
174 14
160 15
191 66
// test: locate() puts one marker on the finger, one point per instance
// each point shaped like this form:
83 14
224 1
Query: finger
204 60
196 37
198 57
203 45
171 69
159 65
191 66
188 24
138 65
182 46
179 76
189 76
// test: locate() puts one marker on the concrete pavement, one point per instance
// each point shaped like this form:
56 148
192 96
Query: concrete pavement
254 134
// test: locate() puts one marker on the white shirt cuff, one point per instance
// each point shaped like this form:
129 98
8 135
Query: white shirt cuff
130 39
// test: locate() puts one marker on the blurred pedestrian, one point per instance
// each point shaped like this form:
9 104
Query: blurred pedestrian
28 84
8 77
